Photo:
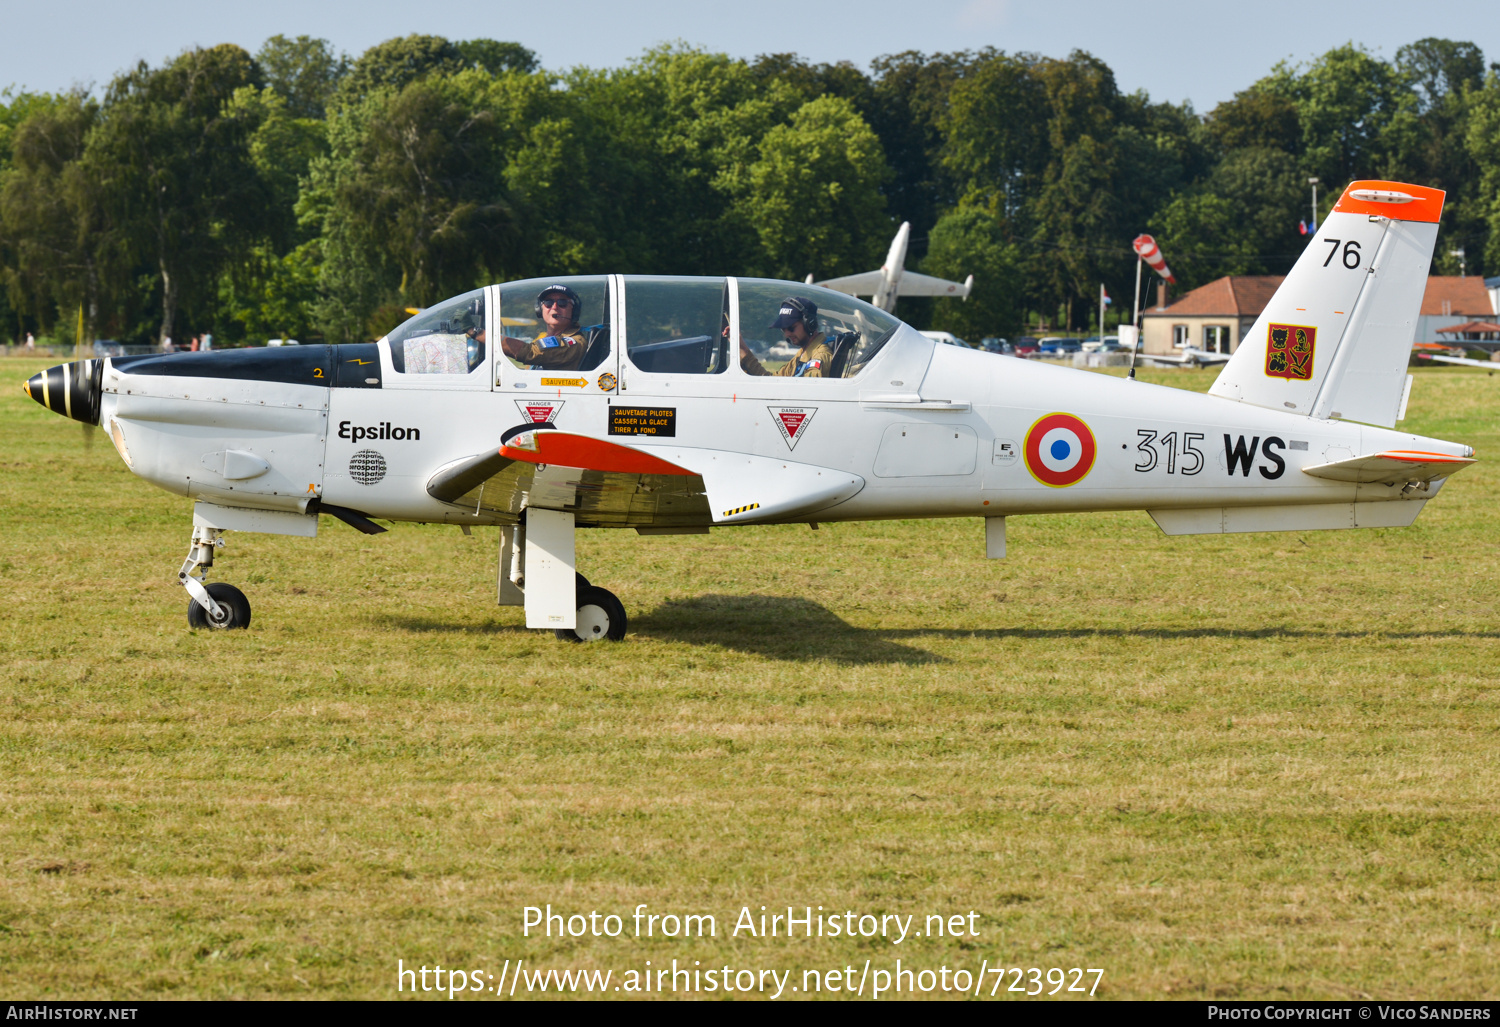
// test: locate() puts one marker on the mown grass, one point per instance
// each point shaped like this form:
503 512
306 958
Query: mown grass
1244 766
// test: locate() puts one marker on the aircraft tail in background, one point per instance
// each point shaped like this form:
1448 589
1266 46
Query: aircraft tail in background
1335 339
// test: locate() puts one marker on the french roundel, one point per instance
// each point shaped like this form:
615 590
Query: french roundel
1059 450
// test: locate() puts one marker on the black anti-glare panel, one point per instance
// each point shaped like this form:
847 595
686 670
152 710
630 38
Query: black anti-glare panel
295 365
356 366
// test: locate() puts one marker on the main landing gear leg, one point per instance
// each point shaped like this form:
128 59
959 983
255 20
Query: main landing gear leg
537 570
213 606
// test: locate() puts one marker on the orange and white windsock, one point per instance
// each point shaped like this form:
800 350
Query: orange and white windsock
1146 247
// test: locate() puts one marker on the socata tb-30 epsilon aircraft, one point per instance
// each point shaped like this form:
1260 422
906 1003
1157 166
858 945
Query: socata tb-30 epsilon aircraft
660 428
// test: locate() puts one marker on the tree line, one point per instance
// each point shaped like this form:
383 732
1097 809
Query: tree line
299 192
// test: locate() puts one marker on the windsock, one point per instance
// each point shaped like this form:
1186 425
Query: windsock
1146 247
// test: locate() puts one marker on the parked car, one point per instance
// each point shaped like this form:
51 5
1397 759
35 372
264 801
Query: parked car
1027 346
1108 344
282 342
994 344
1058 346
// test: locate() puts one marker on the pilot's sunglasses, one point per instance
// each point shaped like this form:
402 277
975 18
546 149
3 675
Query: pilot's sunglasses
557 302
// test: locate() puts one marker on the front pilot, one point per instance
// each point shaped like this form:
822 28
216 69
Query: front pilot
561 347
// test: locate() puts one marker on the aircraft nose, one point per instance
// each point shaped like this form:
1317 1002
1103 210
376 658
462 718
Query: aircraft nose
73 390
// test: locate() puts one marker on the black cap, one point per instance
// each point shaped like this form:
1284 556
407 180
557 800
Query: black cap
795 309
567 291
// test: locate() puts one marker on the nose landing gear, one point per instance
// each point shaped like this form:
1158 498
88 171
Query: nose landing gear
217 606
230 599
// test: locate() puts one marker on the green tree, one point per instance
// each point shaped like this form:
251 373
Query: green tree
997 133
909 111
49 231
1440 68
304 72
1347 101
968 241
396 63
171 157
813 193
497 58
1483 141
414 180
1257 118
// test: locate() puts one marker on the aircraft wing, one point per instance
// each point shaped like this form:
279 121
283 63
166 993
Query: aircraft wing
1393 467
855 285
1486 364
608 483
913 284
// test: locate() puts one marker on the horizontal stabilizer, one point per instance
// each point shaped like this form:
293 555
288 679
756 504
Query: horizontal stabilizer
1393 467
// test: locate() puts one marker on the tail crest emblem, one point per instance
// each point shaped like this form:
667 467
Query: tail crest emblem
1289 352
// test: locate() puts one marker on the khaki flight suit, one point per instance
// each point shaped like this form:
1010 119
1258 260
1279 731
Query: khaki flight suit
565 355
811 362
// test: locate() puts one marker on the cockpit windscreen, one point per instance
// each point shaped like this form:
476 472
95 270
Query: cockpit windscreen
854 330
446 338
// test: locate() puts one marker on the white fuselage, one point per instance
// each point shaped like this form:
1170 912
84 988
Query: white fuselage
928 431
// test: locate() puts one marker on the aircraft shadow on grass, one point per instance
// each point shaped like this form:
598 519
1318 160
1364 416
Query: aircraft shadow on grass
777 627
793 628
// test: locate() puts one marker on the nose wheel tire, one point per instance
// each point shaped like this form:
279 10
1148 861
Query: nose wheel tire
233 601
601 617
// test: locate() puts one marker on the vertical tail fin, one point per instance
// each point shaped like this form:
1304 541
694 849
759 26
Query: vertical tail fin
1335 339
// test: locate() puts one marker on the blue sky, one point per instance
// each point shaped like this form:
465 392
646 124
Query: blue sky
1203 52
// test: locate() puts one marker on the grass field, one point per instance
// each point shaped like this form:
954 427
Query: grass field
1238 766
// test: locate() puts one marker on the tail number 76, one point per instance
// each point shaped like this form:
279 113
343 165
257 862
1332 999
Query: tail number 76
1153 445
1351 252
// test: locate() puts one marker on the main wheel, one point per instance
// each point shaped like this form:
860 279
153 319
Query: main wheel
231 599
600 616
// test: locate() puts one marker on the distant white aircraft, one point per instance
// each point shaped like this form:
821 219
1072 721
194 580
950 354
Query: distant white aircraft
1188 356
1488 365
894 280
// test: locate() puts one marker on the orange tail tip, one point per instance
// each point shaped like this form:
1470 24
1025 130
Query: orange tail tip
1398 201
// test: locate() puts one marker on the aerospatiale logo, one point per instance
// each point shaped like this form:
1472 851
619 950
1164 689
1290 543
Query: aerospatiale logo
792 422
539 411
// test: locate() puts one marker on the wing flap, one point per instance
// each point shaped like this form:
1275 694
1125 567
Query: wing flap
1393 467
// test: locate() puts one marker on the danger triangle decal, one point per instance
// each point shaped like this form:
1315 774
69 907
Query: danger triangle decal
792 422
539 411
